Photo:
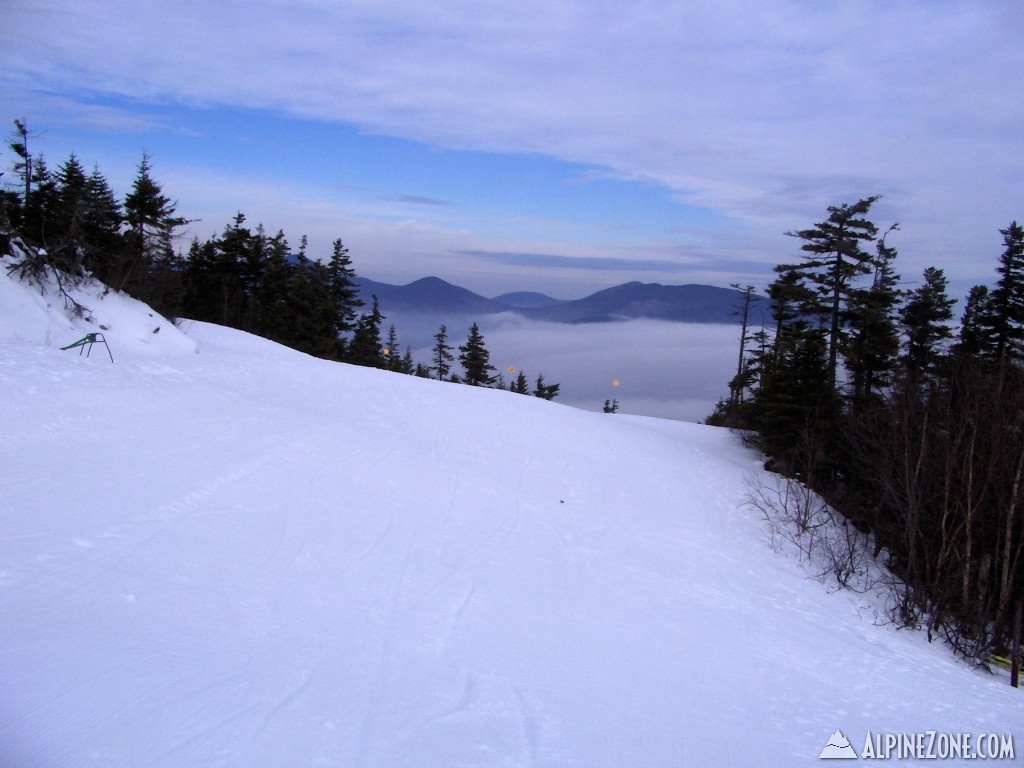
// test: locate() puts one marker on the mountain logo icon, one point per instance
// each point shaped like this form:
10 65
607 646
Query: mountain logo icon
838 748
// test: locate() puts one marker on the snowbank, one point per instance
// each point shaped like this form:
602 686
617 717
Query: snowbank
39 314
250 557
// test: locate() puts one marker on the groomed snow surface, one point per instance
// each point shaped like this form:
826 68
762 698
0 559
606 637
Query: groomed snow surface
220 552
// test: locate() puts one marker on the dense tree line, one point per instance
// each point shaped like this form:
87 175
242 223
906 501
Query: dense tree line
909 426
70 222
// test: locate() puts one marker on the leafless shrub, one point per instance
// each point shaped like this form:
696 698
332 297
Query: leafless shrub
800 522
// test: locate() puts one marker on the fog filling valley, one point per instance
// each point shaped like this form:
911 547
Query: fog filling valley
652 367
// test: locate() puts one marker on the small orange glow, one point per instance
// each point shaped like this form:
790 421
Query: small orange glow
615 382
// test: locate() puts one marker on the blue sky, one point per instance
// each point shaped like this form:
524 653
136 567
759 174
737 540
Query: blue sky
555 146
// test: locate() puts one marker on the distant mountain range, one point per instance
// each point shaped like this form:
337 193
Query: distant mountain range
679 303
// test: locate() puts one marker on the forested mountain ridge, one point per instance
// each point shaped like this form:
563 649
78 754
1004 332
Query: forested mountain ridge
628 301
678 303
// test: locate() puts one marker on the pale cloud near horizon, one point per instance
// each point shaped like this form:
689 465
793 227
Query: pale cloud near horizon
762 112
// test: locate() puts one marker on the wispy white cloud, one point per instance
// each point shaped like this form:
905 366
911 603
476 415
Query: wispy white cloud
579 262
415 199
763 112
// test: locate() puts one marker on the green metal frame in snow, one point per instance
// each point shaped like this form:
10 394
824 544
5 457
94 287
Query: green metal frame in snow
85 344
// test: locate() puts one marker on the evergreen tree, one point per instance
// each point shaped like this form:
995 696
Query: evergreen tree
791 300
441 354
835 258
409 365
392 357
545 391
344 290
235 274
102 227
253 261
520 386
311 311
151 218
795 409
37 222
223 278
476 360
68 239
973 339
163 287
41 214
739 383
19 145
790 304
1005 320
924 319
203 292
365 346
276 314
874 338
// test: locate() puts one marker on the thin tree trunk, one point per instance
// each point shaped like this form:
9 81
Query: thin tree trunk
1004 581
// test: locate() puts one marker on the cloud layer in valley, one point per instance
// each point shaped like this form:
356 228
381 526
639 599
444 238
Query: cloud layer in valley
653 368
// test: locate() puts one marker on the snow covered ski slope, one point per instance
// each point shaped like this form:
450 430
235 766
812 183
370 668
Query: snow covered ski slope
219 552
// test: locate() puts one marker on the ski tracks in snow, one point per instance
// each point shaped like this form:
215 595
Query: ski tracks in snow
435 624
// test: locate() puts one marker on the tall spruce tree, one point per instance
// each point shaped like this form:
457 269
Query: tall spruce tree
68 239
925 321
236 273
1005 319
974 339
152 219
19 145
276 313
312 311
874 338
441 354
520 386
392 354
365 345
476 360
102 227
344 291
411 367
791 301
835 258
